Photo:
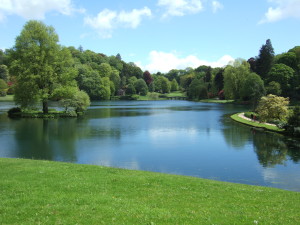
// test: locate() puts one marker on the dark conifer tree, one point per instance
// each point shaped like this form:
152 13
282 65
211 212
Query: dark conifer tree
265 59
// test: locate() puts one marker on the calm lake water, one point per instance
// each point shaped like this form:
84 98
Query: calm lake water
175 137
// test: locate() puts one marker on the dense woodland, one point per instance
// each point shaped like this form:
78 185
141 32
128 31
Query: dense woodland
37 68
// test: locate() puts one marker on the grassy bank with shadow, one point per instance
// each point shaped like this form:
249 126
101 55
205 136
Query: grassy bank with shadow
44 192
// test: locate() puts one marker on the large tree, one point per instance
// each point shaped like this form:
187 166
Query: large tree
265 59
282 74
40 65
234 79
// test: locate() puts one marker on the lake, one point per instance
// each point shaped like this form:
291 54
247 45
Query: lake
175 137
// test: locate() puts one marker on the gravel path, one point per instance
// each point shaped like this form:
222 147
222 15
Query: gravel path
242 115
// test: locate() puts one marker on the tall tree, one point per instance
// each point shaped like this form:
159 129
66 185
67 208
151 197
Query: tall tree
147 77
282 74
234 79
39 64
265 59
4 72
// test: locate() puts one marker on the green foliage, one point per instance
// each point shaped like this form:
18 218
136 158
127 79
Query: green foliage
273 88
130 89
141 87
283 75
272 107
174 85
288 59
105 70
4 74
81 101
39 65
234 79
253 88
165 85
219 80
115 78
197 90
265 60
3 84
293 126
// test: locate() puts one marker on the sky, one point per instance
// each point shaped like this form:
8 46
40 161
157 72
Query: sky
160 35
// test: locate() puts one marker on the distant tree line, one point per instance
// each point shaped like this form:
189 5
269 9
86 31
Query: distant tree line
37 68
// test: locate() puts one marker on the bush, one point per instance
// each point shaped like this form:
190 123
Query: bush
2 93
14 112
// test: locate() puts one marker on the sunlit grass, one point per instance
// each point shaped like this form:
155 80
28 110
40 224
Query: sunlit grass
7 98
216 101
255 123
42 192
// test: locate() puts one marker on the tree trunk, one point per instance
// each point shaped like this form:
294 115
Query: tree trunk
45 107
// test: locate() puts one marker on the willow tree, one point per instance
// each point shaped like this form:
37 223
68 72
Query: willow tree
40 65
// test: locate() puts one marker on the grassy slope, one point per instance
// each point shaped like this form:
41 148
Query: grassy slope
216 101
255 124
41 192
7 98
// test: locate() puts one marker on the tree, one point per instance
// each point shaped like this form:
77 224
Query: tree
272 107
282 74
118 56
288 59
234 79
273 88
147 77
219 80
130 89
253 89
4 72
197 90
294 122
174 85
115 78
105 70
165 84
208 75
3 87
265 59
141 87
39 64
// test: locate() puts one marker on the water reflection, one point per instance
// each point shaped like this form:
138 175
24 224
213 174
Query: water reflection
271 149
178 137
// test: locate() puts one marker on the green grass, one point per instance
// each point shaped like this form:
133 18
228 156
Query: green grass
216 101
7 98
158 96
42 192
176 94
255 124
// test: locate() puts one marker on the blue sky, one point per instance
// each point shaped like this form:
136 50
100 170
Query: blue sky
159 35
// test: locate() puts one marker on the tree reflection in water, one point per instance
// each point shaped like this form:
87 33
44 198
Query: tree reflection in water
271 148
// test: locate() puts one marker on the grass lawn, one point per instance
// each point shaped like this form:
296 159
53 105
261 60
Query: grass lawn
7 98
156 96
216 101
255 124
42 192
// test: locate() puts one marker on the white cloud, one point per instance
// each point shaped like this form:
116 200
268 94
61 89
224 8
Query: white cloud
284 9
216 6
107 20
164 62
133 19
180 7
35 9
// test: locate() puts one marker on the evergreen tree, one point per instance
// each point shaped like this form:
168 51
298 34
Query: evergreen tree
265 59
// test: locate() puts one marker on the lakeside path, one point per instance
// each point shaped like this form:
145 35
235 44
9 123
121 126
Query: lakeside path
242 115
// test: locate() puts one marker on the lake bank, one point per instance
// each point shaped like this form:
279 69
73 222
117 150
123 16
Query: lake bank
174 137
239 117
51 192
